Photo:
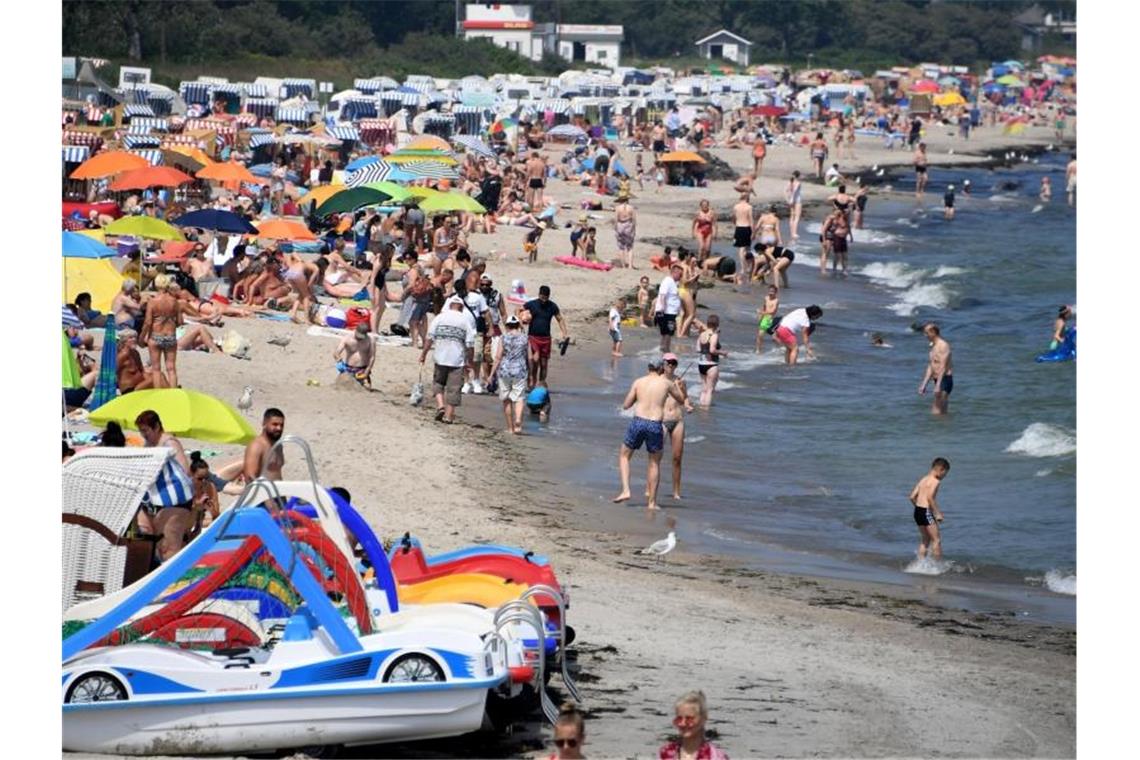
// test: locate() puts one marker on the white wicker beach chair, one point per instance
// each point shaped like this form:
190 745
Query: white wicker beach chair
102 490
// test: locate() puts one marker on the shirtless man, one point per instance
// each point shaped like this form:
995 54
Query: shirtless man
196 265
256 451
647 396
674 420
1071 180
939 369
835 233
742 237
920 177
658 136
535 174
355 355
927 515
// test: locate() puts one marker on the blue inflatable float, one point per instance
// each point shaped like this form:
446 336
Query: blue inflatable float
1067 351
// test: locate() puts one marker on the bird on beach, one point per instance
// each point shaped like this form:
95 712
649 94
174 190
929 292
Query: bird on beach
881 172
245 403
665 545
280 340
875 168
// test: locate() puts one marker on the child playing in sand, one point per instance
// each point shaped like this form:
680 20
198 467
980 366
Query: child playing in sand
615 325
643 300
591 244
927 515
530 245
767 315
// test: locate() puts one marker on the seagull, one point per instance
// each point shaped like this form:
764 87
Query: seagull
245 403
664 546
280 340
1049 147
875 168
881 172
951 151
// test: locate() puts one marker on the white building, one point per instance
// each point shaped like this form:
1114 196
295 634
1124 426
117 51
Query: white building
512 27
724 45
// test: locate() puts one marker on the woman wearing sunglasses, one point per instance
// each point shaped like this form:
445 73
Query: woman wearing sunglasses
569 733
692 712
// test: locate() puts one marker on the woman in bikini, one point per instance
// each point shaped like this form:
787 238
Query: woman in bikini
687 290
378 285
341 281
767 233
708 363
793 194
842 201
159 333
837 138
297 273
818 149
704 230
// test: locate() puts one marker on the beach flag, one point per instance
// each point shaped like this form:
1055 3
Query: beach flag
107 384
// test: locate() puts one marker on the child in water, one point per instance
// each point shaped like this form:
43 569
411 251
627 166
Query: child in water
927 515
767 315
1046 193
615 325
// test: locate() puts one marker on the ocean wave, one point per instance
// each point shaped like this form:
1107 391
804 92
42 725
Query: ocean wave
1059 583
933 296
714 533
931 566
1044 440
945 271
904 221
744 361
893 274
694 439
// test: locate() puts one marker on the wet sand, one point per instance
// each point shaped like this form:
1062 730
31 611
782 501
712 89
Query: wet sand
791 666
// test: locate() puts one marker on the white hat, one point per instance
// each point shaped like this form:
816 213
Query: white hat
454 300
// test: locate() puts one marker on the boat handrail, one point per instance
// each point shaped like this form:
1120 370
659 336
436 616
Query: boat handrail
558 600
523 612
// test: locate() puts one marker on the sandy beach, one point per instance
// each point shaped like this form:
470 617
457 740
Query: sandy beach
792 667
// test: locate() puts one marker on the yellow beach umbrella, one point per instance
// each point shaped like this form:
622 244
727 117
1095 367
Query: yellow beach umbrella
952 98
681 156
184 413
95 276
428 142
441 202
95 234
143 226
409 156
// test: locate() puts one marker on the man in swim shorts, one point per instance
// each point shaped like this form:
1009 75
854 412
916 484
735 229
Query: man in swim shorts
647 396
742 235
939 369
540 312
355 355
927 515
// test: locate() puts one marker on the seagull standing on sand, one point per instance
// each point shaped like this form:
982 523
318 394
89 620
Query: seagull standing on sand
280 340
245 403
665 545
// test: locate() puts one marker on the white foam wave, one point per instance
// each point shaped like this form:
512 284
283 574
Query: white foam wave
906 222
1042 473
929 566
1059 583
874 237
932 296
1044 440
714 533
947 271
894 274
744 361
694 439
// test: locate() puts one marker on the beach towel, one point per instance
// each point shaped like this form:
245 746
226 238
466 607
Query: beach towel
380 340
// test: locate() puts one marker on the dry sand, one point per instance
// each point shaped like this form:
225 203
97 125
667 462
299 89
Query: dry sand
792 667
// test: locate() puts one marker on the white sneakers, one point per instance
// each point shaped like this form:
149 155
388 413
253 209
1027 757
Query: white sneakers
473 386
466 388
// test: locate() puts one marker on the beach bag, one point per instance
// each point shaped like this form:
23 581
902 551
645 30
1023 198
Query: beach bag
417 395
336 317
357 316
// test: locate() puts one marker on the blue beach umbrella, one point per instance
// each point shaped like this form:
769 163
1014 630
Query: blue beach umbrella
360 163
107 384
618 168
266 170
76 246
217 220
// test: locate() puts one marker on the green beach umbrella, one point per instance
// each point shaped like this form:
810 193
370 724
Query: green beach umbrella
352 199
399 193
441 202
71 374
186 413
1009 80
143 226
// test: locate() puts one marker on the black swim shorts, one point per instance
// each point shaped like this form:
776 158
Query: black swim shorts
946 385
666 323
742 237
924 516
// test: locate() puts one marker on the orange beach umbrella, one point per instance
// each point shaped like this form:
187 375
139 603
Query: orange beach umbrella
681 156
151 176
109 163
284 229
229 171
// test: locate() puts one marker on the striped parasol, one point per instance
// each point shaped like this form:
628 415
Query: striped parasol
474 145
70 320
430 170
107 384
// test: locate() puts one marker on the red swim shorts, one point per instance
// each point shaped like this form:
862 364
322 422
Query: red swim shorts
540 346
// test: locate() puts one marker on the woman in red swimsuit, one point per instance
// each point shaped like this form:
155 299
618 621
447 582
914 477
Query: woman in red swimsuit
704 230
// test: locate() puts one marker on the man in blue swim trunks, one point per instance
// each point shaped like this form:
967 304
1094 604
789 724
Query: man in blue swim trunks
647 396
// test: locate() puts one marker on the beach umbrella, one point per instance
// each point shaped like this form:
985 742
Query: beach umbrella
502 125
76 246
588 164
948 81
217 220
107 382
398 192
924 86
1009 80
152 176
413 156
284 229
109 163
189 156
184 413
95 276
473 144
949 99
95 234
266 170
681 156
443 202
429 170
568 131
428 142
72 377
321 193
143 226
360 163
352 199
229 171
776 111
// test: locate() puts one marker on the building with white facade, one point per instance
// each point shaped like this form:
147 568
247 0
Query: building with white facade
724 45
512 27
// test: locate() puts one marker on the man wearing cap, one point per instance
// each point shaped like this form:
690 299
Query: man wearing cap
496 315
540 312
452 336
668 306
355 355
647 396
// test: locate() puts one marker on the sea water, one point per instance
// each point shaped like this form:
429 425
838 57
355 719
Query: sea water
807 469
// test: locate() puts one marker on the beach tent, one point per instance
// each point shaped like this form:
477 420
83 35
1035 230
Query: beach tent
95 276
